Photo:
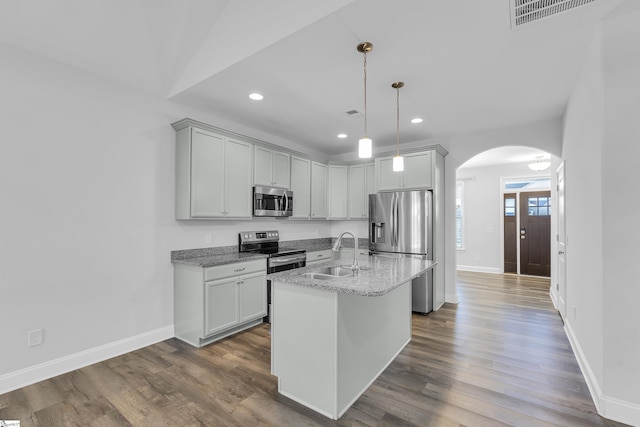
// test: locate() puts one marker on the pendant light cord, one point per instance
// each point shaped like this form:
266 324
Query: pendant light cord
365 94
398 121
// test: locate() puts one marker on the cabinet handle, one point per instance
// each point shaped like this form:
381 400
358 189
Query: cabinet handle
239 282
240 269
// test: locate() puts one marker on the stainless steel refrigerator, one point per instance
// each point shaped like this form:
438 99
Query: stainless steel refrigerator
401 225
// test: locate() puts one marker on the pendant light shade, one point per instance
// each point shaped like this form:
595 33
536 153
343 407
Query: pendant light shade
365 145
365 148
398 160
398 163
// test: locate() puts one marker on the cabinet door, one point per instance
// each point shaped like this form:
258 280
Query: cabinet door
221 305
387 178
253 296
369 185
338 192
238 178
263 164
281 172
318 191
417 170
301 187
207 174
357 192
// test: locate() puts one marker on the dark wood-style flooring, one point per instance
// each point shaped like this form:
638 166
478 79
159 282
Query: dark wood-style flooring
499 357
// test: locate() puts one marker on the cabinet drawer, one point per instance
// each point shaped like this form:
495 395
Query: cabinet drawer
236 269
319 255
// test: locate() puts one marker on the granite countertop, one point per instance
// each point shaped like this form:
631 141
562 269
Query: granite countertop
209 257
213 260
380 275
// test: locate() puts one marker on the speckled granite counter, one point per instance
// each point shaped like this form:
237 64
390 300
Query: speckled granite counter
209 257
213 260
379 276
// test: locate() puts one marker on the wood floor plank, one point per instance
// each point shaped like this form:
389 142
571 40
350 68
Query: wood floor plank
500 357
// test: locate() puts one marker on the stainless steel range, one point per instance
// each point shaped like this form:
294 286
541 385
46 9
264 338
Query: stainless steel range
279 259
267 242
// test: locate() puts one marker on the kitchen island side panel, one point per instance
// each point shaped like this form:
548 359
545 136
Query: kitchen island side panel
303 345
328 347
372 331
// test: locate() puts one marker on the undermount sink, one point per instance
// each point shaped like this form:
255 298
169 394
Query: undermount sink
328 273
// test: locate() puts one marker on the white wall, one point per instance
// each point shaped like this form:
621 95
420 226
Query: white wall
87 217
482 214
620 154
601 149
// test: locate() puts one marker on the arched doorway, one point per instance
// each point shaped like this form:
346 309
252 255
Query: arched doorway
504 212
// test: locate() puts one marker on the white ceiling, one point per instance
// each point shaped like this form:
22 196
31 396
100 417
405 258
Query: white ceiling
464 69
503 156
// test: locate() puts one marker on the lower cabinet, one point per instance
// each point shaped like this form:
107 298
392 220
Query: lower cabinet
214 302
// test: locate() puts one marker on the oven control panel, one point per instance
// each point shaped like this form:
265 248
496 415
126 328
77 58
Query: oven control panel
259 236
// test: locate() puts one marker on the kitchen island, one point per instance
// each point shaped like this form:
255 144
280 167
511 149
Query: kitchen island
332 338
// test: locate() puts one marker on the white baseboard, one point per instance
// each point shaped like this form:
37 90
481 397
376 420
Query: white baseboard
451 298
608 407
477 269
33 374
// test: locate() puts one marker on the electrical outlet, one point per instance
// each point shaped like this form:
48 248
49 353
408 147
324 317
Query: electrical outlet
34 337
477 257
208 239
575 309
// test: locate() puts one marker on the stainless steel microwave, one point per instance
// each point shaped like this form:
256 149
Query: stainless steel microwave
269 201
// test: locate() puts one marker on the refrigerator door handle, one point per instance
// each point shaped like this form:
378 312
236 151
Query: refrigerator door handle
394 213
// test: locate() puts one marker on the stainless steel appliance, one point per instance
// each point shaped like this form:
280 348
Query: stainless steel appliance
269 201
279 258
401 224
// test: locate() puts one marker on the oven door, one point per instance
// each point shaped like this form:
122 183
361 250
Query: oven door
286 262
282 262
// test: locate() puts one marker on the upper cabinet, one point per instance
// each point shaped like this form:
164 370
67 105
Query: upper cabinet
338 192
213 175
271 168
361 184
418 172
318 191
301 187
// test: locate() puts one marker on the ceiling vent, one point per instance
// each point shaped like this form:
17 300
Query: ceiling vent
525 11
353 113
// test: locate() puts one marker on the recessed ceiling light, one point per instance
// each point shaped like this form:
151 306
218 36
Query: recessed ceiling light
256 96
416 120
342 135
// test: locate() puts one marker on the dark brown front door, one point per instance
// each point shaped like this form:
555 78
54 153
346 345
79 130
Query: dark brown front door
535 233
510 234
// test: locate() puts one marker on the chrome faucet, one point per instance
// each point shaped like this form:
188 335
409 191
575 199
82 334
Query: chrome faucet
336 248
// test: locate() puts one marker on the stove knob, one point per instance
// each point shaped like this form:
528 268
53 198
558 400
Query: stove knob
246 236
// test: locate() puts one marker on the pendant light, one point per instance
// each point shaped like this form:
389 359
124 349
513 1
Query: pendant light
398 160
365 149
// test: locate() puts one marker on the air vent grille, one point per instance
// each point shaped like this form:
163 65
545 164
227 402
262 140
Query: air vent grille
525 11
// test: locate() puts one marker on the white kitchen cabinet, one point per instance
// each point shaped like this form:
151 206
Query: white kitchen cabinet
338 192
316 257
214 302
213 175
417 174
271 168
361 184
318 191
301 187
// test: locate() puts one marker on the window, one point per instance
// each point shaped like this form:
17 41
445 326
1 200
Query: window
459 215
539 206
